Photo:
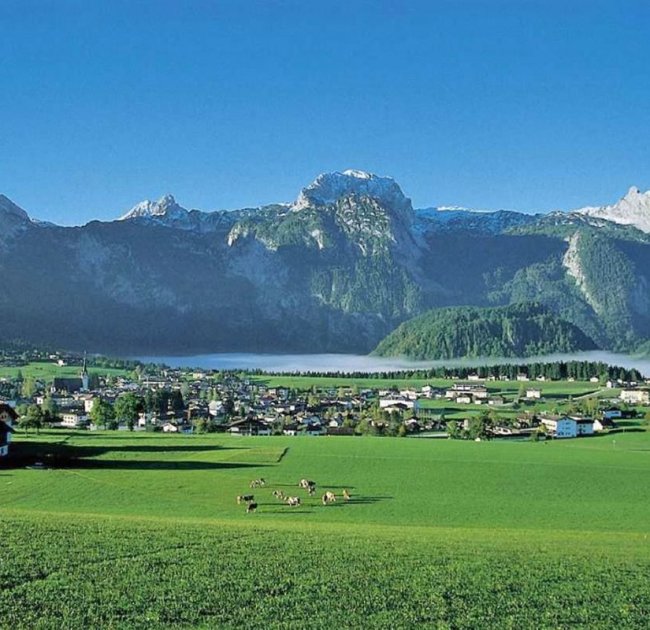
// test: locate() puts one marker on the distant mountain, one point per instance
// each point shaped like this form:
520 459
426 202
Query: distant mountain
334 271
518 330
632 209
453 219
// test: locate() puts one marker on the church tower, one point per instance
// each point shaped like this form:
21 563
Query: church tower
84 376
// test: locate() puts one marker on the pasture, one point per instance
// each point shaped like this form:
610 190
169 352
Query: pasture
144 530
552 389
47 370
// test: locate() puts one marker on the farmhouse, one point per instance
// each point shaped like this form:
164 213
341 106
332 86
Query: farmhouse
74 419
7 417
466 393
533 394
636 396
568 426
398 402
249 426
560 426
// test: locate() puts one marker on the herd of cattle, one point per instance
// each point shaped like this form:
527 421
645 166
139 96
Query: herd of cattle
292 501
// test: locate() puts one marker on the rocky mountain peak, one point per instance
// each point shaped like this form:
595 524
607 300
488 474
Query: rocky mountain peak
165 207
632 209
9 209
328 188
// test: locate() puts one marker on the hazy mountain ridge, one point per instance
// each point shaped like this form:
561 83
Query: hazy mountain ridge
337 270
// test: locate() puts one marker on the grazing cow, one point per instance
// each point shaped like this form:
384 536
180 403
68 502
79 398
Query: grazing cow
278 494
346 495
258 483
245 498
311 490
293 501
305 484
251 507
328 497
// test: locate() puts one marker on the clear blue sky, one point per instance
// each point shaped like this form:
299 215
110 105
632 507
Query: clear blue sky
523 104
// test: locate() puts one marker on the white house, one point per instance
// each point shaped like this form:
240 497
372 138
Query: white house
636 396
215 407
533 394
74 419
585 426
560 426
394 401
568 426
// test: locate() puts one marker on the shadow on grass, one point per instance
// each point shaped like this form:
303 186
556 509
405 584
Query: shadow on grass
130 464
158 448
320 487
361 500
622 430
63 455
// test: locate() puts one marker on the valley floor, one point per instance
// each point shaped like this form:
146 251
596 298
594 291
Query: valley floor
123 530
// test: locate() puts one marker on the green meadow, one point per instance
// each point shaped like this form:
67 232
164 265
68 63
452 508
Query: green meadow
46 371
142 530
548 388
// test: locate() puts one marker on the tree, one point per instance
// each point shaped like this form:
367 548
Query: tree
127 408
453 430
176 401
28 388
228 407
50 407
103 414
33 419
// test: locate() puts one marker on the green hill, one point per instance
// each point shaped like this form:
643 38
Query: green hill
518 330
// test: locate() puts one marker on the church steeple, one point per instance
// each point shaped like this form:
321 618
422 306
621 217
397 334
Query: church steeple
84 375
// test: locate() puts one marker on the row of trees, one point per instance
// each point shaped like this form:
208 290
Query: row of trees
555 370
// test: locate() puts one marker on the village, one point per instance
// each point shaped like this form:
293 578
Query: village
188 401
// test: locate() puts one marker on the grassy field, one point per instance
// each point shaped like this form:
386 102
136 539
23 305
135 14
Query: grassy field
47 370
144 531
549 388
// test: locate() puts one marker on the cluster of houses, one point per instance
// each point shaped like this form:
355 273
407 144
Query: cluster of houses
247 406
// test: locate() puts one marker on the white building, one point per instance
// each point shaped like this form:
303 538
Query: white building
533 394
640 396
394 401
73 419
560 426
568 426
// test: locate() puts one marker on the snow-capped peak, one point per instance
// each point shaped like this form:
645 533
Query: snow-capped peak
351 172
327 188
165 207
632 209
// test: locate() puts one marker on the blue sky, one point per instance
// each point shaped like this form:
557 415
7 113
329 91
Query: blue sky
530 105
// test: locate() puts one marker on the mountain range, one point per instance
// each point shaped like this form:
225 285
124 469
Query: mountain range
335 271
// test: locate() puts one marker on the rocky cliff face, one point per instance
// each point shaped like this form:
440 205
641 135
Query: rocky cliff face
336 270
632 209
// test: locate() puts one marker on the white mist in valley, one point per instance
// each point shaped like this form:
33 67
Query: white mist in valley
348 363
